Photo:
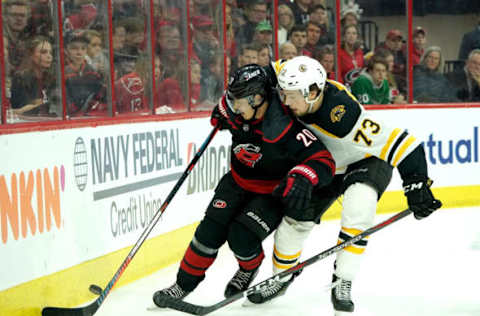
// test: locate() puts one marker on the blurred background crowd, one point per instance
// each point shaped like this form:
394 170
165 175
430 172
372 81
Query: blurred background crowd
124 57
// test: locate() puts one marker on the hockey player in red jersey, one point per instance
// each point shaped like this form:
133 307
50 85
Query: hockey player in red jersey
270 149
351 134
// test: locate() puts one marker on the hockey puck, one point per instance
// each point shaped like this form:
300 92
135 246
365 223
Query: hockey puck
95 289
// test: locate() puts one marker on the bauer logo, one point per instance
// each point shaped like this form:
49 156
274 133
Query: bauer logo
448 151
30 202
219 204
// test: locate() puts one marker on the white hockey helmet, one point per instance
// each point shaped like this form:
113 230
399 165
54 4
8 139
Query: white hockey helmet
299 73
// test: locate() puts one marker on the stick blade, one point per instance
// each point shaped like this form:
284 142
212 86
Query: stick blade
63 311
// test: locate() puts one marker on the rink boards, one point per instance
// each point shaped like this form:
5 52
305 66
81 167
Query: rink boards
74 201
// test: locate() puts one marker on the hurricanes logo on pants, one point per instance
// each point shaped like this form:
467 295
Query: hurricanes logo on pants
248 154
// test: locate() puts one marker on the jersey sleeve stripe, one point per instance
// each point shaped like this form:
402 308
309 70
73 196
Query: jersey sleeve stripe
385 148
321 130
395 146
402 150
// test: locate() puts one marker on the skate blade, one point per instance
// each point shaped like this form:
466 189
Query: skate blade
247 303
340 313
154 308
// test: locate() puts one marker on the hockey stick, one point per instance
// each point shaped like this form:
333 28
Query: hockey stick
193 309
90 309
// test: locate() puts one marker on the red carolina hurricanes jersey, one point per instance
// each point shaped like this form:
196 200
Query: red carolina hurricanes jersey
265 150
129 94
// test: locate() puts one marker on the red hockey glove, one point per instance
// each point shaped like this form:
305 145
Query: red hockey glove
419 196
296 189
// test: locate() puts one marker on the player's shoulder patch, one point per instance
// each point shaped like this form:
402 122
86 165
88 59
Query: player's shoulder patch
337 113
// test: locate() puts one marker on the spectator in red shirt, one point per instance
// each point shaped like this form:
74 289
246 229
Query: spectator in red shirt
419 40
350 54
130 88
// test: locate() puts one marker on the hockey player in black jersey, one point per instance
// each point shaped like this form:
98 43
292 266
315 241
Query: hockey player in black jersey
270 149
351 134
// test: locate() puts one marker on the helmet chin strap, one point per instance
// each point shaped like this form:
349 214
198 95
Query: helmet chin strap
251 102
312 102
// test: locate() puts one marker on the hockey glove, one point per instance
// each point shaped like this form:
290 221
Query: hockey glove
296 189
219 119
419 196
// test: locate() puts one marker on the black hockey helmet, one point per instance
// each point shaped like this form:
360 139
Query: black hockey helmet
248 80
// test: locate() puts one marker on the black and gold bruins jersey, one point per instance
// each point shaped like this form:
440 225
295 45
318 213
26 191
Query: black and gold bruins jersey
351 133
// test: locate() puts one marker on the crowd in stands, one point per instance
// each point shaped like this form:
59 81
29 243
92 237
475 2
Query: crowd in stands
188 58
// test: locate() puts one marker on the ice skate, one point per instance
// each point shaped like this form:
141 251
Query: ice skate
272 290
169 293
240 281
341 296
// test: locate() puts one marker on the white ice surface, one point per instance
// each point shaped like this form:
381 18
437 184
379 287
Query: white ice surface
411 268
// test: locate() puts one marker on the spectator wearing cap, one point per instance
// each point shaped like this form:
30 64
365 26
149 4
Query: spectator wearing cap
314 31
470 41
466 81
34 83
300 10
205 43
319 15
429 83
286 21
350 55
394 43
16 14
287 51
255 11
84 86
419 40
298 37
82 16
263 35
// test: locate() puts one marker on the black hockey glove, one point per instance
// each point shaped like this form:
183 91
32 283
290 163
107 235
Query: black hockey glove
296 189
219 119
419 196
